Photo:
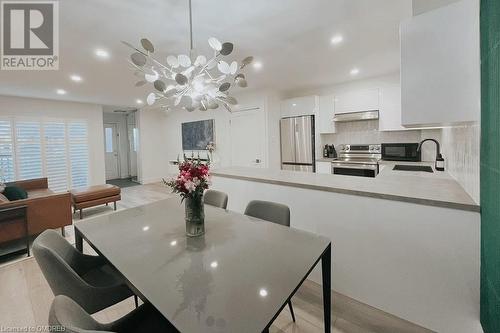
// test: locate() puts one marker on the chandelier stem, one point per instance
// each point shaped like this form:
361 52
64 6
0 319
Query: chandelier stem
190 27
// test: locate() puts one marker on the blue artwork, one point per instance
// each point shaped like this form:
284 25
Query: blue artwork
196 135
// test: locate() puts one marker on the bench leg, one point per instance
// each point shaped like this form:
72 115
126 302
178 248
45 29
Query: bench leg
63 232
106 203
114 205
81 214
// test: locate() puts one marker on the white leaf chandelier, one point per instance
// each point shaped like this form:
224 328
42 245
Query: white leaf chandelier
188 81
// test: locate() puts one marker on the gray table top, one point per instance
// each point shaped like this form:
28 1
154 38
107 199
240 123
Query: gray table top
235 278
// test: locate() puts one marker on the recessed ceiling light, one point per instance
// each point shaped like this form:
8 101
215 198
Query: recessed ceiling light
103 54
61 92
263 292
139 101
214 264
257 65
354 71
337 39
294 104
76 78
173 243
146 228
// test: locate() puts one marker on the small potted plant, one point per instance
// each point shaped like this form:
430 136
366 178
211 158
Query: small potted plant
193 179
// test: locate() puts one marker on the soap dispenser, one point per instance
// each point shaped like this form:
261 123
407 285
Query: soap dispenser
439 163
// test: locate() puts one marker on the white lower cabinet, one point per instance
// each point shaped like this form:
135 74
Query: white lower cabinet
323 167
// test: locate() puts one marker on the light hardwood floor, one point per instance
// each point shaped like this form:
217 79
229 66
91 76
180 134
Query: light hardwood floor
26 297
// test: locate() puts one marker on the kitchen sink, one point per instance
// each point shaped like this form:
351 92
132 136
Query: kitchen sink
406 167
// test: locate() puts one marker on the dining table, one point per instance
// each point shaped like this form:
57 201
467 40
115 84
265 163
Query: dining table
237 277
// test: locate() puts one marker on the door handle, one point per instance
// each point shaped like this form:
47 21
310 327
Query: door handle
257 160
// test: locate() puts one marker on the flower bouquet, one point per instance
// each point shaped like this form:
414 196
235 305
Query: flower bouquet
193 179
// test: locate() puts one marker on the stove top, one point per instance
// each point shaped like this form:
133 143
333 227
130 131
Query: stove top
357 160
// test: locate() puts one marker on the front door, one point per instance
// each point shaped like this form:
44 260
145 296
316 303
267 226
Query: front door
248 131
111 151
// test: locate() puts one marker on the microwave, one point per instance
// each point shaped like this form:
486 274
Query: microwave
401 152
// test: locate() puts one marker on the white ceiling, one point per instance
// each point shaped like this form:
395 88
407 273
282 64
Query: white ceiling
290 37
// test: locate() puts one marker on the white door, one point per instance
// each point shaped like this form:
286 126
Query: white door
111 151
248 132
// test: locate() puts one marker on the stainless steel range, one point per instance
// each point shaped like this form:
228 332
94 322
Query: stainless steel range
357 160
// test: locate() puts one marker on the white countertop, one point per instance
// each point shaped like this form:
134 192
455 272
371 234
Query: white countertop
433 189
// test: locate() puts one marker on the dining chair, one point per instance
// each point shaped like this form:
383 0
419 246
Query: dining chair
67 315
215 198
85 278
272 212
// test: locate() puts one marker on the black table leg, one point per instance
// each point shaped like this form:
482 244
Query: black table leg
78 241
326 270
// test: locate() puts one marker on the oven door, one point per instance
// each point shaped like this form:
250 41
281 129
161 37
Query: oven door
401 152
355 169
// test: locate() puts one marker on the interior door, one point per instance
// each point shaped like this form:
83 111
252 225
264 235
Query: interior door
111 151
247 138
133 143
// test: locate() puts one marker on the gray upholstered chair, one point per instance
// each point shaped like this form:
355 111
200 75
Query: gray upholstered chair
215 198
66 313
272 212
86 279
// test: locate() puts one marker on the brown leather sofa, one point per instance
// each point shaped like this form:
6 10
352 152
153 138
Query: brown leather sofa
45 210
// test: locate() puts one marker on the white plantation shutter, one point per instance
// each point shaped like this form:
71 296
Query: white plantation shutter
56 164
7 171
56 149
78 153
28 150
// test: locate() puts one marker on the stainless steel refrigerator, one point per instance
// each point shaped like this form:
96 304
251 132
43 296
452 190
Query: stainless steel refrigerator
297 144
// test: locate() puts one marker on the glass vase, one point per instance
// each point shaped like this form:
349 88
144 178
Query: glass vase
195 216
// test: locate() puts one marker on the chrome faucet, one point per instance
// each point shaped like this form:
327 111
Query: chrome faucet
439 165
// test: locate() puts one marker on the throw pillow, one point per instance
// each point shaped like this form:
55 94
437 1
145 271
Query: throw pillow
3 198
15 193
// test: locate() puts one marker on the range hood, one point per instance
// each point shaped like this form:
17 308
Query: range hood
355 116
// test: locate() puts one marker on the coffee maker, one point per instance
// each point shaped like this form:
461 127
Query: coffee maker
329 151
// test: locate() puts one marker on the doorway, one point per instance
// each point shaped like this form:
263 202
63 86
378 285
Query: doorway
111 152
248 132
121 143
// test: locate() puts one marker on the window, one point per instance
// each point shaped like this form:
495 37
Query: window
135 133
78 154
108 139
56 149
55 155
7 172
29 150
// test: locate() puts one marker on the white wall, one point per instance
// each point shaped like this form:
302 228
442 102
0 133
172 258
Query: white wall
121 123
152 156
161 141
31 107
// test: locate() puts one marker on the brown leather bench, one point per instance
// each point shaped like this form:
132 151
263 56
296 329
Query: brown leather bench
91 196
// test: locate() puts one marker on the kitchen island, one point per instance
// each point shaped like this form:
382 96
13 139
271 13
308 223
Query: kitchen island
404 242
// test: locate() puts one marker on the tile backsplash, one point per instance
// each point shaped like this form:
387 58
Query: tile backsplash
462 147
459 146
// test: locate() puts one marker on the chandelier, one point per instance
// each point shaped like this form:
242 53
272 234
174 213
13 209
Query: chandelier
191 82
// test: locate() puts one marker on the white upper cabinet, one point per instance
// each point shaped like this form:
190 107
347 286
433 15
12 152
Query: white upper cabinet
299 106
324 119
390 109
440 68
357 100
